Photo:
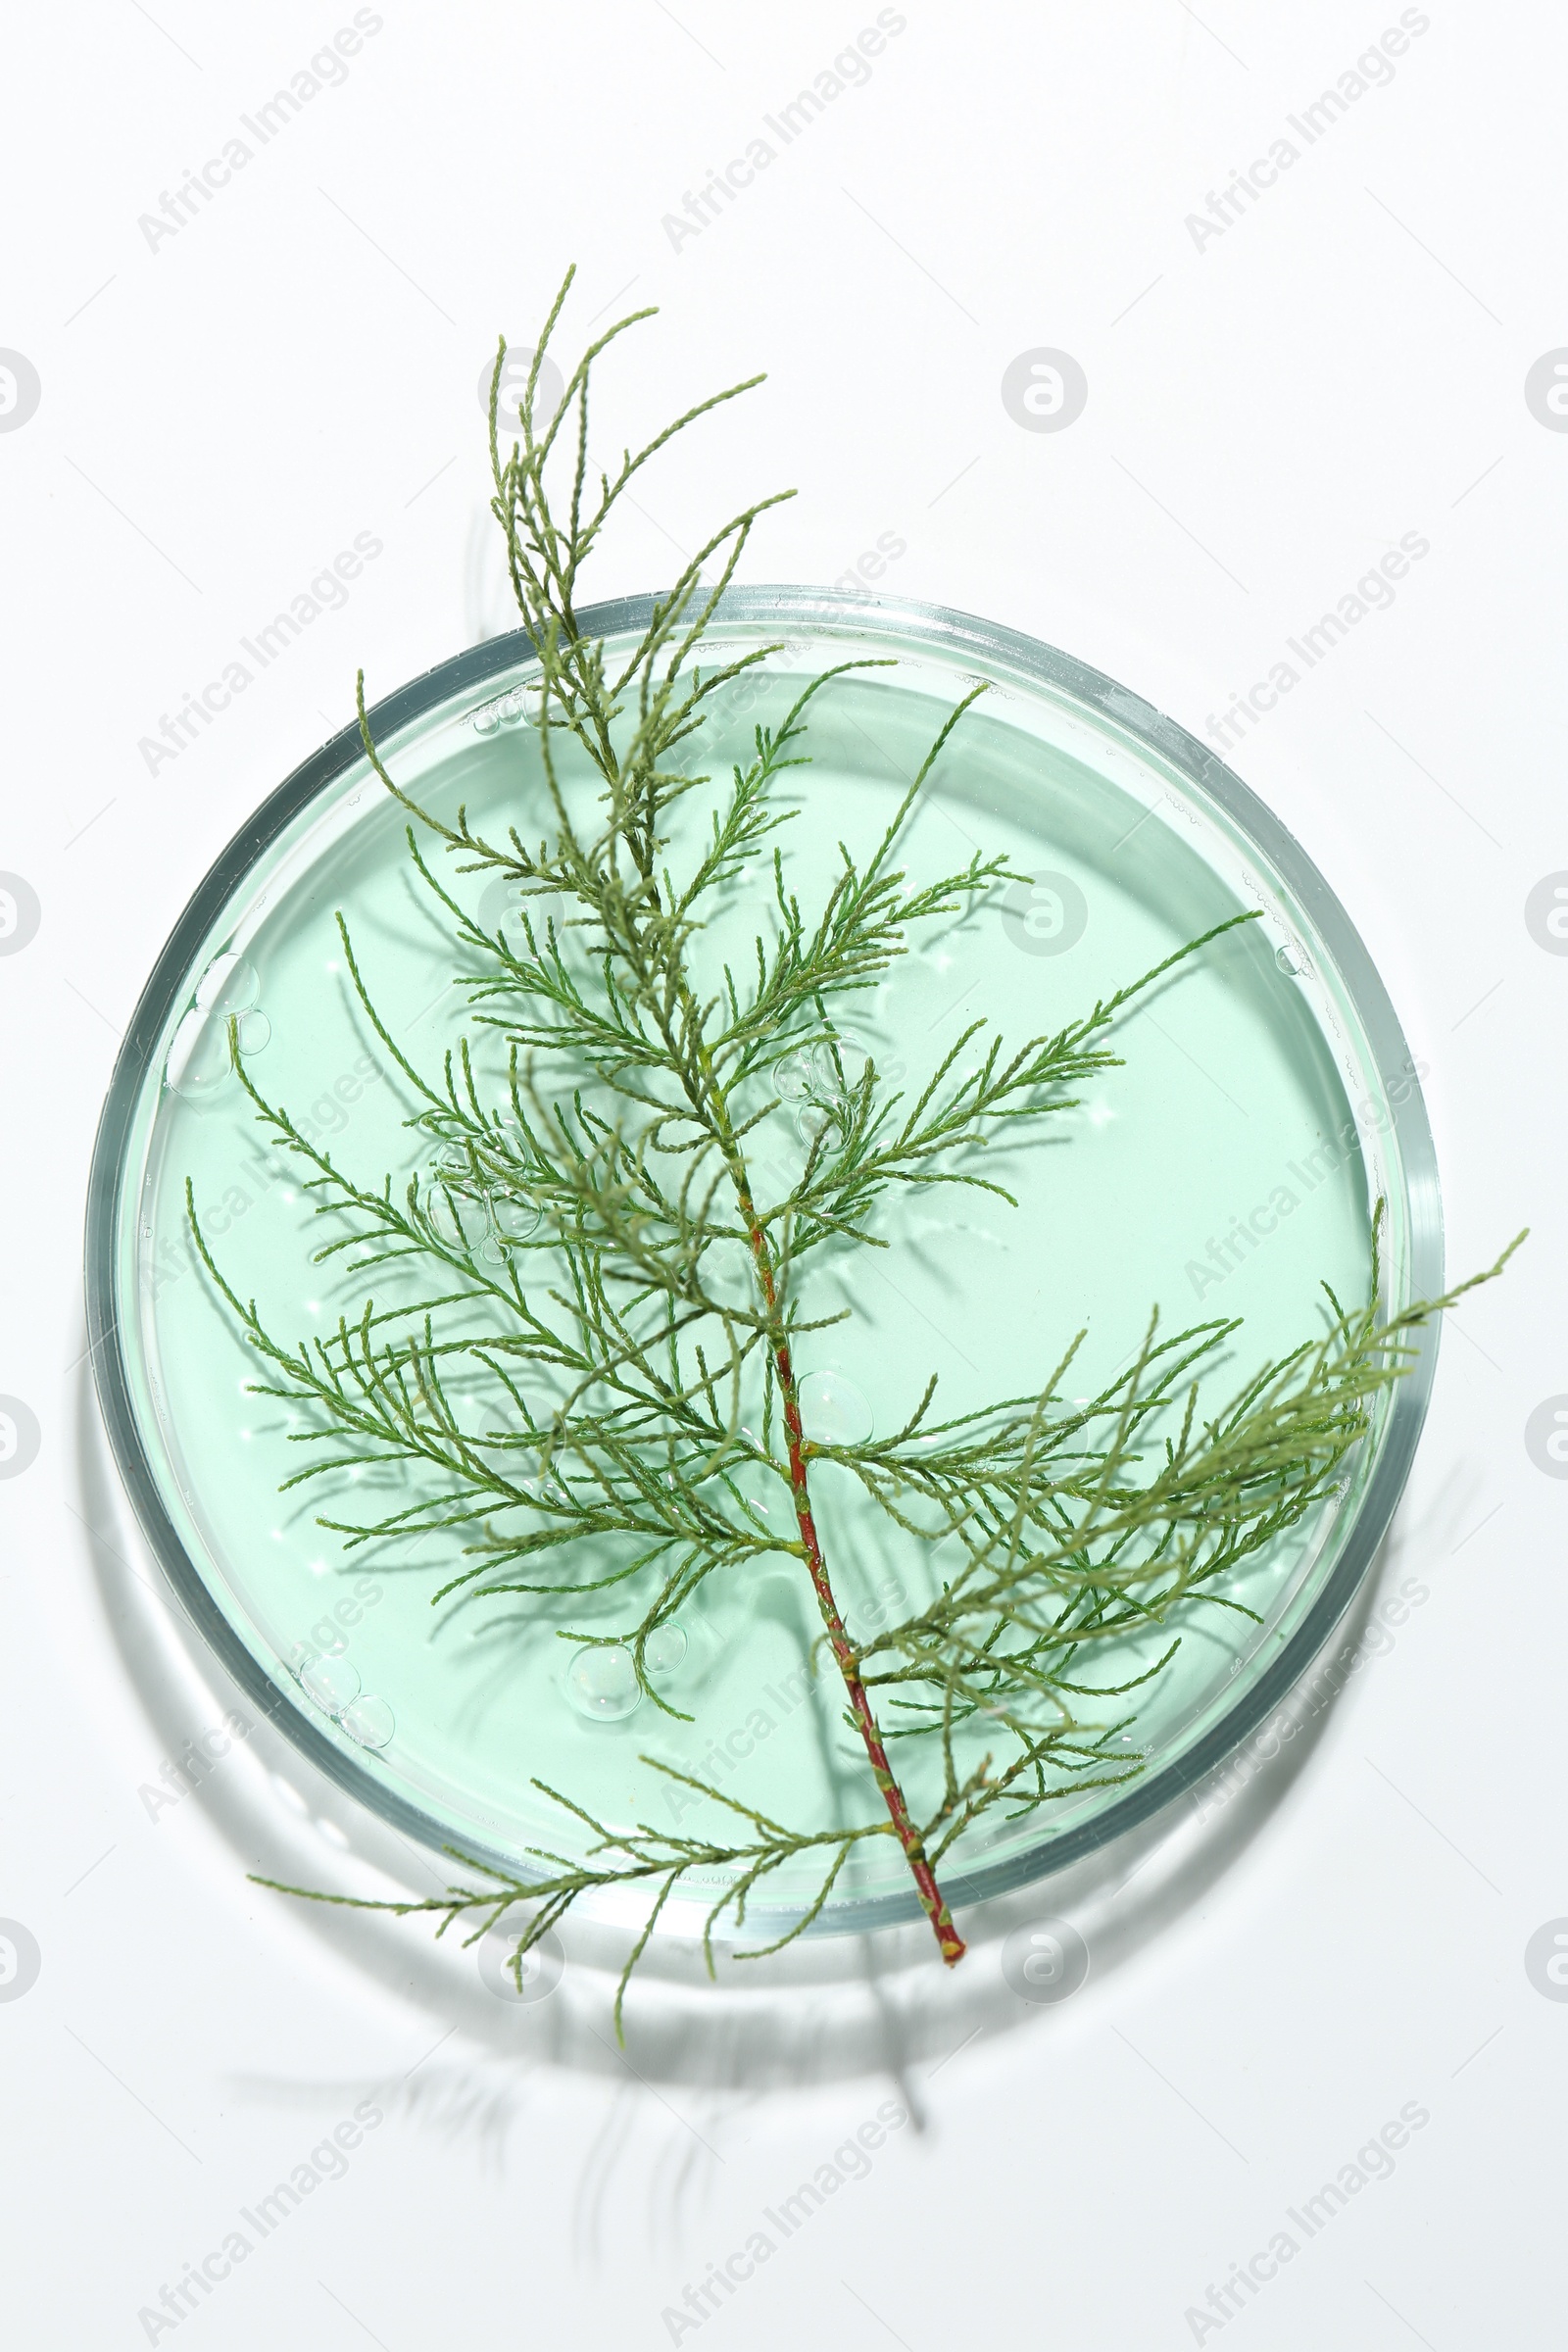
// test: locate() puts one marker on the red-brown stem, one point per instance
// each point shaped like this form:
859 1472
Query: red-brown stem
932 1900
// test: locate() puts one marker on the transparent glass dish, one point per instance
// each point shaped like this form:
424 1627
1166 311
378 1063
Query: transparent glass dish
1267 1099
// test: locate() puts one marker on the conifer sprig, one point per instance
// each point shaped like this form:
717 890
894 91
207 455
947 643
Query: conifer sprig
578 1356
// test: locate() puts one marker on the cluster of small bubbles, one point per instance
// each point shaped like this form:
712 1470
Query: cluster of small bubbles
504 712
817 1080
455 1179
331 1682
506 1221
602 1682
833 1410
199 1057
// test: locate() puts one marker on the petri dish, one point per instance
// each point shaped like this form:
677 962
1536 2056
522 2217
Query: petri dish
1266 1099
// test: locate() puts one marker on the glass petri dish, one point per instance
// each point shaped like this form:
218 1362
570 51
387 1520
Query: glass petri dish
1267 1099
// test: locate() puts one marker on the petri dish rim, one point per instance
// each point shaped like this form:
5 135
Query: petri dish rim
951 635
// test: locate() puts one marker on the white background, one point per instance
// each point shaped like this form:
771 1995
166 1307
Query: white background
1268 413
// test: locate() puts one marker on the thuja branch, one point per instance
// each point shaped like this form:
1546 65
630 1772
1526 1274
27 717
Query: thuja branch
555 1370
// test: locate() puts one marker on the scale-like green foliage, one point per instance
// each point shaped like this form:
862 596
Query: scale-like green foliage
562 1365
